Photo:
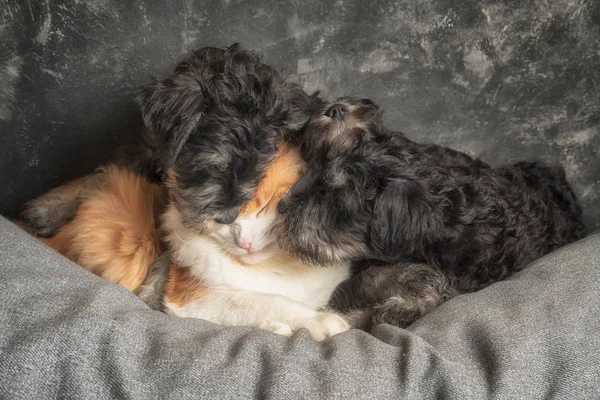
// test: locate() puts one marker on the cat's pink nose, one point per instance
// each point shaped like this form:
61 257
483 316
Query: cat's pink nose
246 245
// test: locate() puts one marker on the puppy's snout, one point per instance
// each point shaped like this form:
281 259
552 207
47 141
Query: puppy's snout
337 111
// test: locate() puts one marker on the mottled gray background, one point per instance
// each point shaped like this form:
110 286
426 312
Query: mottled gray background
502 80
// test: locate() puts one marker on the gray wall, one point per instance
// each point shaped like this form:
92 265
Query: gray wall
502 80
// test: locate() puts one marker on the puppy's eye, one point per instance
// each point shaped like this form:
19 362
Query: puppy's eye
227 218
282 207
366 102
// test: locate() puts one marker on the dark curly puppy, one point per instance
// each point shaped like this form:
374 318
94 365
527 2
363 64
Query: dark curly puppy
438 222
213 127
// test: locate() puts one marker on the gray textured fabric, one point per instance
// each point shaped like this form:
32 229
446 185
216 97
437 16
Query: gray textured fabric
67 334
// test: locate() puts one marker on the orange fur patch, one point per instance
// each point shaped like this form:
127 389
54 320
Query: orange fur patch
114 233
182 287
285 170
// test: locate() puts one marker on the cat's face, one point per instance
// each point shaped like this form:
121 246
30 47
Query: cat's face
249 237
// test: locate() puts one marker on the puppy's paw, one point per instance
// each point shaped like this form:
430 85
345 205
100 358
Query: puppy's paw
280 328
360 318
397 311
324 325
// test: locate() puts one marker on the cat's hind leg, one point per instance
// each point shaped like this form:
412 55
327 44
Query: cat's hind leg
45 215
152 289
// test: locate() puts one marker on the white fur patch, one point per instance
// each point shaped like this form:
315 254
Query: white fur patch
278 293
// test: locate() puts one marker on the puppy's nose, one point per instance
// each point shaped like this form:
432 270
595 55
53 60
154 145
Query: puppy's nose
243 244
337 111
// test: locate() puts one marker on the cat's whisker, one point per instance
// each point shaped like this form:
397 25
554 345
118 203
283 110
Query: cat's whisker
179 237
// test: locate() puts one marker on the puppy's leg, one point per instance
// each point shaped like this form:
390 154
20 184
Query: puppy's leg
360 318
396 294
46 214
403 310
275 313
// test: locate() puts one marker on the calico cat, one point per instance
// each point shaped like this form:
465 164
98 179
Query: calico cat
231 273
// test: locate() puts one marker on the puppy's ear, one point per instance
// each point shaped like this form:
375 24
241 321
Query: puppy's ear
305 106
404 217
299 105
315 102
171 108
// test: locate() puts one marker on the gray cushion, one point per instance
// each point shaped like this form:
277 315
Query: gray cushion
68 334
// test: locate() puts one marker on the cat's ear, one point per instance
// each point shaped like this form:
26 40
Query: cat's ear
403 217
172 108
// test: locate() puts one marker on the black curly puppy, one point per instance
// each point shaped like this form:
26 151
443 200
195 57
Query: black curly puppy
437 222
213 127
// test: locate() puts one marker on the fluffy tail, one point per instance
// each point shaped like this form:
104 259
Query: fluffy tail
114 232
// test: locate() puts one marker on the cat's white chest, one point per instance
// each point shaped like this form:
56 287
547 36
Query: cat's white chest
291 278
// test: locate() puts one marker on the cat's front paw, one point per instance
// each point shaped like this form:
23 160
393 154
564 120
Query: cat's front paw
325 325
322 326
280 328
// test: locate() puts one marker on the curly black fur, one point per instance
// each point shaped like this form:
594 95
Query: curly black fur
217 121
372 193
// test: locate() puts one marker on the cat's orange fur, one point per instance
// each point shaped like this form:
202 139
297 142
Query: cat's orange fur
182 287
114 233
